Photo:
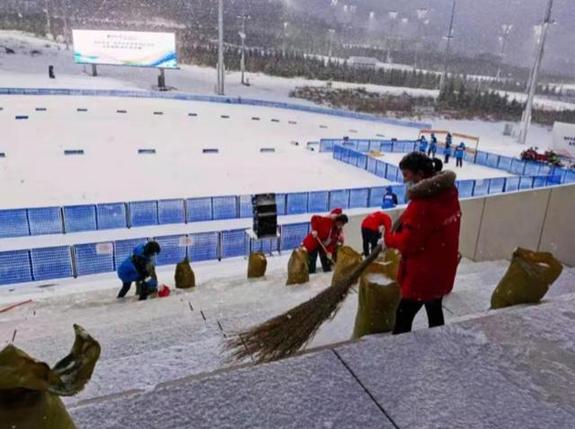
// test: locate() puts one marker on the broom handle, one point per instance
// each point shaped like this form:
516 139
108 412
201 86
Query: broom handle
325 250
356 273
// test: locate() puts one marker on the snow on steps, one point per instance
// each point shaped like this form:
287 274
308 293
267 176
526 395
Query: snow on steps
181 335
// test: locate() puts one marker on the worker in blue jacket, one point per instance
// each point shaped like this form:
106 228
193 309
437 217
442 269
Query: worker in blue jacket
432 146
139 267
459 154
423 144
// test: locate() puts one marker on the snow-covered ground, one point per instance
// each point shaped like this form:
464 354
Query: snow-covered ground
23 70
37 173
468 171
147 343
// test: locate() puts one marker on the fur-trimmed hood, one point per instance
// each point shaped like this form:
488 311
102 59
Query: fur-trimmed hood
428 188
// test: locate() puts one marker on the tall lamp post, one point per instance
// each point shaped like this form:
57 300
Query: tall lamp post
331 32
447 46
242 34
421 14
505 31
284 40
393 17
221 70
526 117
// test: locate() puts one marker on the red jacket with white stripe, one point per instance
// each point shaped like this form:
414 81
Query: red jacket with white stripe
428 239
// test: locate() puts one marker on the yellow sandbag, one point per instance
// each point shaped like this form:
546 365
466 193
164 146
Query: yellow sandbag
30 390
378 297
184 277
527 279
298 269
257 264
347 260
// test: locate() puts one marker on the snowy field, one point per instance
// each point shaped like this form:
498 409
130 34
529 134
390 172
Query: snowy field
179 336
24 70
37 172
468 171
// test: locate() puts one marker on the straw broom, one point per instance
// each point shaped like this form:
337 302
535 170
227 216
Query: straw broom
287 333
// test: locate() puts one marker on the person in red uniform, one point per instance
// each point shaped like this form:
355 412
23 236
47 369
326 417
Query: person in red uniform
427 236
327 230
371 229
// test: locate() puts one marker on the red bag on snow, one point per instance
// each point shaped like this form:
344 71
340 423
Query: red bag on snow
164 291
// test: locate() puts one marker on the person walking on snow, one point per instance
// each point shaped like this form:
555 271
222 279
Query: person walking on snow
371 230
325 236
432 146
427 236
423 144
137 268
459 154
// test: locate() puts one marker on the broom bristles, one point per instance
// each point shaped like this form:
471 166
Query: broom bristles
287 333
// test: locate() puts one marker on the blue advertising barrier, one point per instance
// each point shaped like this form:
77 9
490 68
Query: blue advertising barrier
339 199
51 263
297 203
358 198
497 185
481 188
292 235
171 211
376 197
318 201
111 216
246 207
80 218
281 204
15 267
204 246
46 220
225 207
124 249
233 243
94 258
199 209
173 249
143 213
465 188
13 223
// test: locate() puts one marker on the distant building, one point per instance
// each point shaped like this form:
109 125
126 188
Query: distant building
363 62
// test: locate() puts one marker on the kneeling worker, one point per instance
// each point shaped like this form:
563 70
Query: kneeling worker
137 268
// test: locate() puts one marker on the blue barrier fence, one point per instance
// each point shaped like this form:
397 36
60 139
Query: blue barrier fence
467 188
93 258
511 165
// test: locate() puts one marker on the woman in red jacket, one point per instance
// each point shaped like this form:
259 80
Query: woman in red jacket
427 236
327 230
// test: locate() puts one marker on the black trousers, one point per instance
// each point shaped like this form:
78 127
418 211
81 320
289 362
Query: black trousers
459 162
312 261
407 310
370 239
141 289
431 153
447 159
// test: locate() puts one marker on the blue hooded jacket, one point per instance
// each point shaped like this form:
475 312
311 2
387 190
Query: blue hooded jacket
133 268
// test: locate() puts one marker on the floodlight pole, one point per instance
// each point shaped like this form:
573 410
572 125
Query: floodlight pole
447 46
221 70
526 117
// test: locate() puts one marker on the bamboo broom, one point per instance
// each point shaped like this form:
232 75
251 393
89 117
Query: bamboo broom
287 333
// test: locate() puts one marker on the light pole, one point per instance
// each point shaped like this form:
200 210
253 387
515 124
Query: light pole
243 37
221 70
447 46
505 31
64 6
526 117
285 26
392 16
49 32
421 14
331 32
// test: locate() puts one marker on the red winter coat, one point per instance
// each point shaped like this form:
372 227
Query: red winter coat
428 239
374 221
327 233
